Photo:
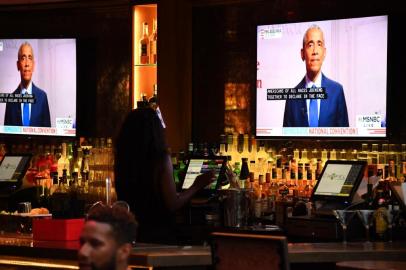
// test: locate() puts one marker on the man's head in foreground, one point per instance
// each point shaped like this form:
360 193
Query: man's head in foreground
106 239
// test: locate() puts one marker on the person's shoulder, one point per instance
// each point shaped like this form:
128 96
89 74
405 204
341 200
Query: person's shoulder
38 90
302 83
329 83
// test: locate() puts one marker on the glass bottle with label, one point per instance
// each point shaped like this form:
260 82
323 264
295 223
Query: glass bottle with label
244 173
153 42
60 204
153 101
63 161
144 45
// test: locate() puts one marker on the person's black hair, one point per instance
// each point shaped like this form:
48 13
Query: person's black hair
139 154
123 223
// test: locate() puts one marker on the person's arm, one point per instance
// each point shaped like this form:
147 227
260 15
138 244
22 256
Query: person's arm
173 200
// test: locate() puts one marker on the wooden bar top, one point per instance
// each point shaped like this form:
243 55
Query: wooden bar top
371 265
352 251
143 254
171 256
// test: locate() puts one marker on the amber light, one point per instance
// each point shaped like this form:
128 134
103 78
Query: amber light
237 104
144 76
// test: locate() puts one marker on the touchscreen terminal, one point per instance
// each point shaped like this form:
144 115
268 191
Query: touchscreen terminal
13 168
339 180
197 166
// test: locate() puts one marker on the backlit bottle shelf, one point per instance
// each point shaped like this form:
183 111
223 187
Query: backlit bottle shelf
144 57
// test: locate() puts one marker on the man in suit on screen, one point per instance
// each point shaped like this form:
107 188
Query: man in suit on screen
329 112
28 114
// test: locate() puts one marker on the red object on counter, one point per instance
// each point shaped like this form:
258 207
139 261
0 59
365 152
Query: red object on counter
57 229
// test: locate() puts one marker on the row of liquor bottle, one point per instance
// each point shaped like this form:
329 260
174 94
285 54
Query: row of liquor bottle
69 175
148 44
301 164
266 191
391 158
69 196
88 157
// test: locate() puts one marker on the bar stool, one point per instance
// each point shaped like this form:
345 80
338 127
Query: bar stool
241 251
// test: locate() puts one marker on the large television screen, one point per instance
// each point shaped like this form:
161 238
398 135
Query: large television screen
38 87
322 78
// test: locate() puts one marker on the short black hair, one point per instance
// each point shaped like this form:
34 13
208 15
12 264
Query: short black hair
123 223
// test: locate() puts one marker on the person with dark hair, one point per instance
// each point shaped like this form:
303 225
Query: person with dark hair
106 239
328 112
28 114
144 176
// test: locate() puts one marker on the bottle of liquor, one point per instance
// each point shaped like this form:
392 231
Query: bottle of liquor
63 162
55 183
244 173
369 199
60 204
237 169
153 42
333 154
85 166
142 102
380 203
308 189
144 44
245 148
175 166
343 154
70 156
253 169
283 191
153 101
324 158
78 156
273 194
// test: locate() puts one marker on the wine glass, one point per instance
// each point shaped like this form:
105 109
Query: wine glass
367 217
344 217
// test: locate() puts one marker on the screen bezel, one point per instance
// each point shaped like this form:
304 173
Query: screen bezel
388 133
219 177
77 117
357 182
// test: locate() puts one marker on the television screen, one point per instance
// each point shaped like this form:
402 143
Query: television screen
322 78
38 87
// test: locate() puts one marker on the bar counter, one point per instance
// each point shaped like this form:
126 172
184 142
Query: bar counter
324 256
20 251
